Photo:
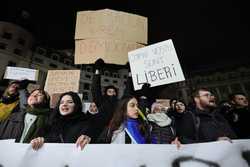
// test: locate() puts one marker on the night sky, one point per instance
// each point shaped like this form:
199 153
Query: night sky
205 32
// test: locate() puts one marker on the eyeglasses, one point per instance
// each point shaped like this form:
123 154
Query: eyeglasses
206 95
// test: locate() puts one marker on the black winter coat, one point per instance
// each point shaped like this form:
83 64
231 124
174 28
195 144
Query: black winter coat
184 124
67 129
212 126
105 104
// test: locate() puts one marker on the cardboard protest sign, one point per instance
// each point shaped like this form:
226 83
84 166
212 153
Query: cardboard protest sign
111 24
60 81
156 64
19 73
111 51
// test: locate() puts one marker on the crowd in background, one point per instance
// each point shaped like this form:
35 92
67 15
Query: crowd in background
135 118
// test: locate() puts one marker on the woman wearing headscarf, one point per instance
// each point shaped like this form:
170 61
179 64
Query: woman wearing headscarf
69 124
184 123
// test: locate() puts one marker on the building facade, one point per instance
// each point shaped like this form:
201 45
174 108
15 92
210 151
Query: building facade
16 49
221 82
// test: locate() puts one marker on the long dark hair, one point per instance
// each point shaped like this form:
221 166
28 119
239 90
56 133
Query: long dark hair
120 116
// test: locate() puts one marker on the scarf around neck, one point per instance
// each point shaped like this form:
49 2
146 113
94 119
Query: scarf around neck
132 128
39 123
161 119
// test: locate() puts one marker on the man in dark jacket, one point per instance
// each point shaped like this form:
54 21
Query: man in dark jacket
238 115
210 125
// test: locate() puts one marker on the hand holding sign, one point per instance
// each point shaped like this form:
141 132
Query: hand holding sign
99 63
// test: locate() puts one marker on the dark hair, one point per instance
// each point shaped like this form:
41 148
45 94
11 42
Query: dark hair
13 82
110 87
5 93
76 99
46 101
181 102
171 101
120 115
232 96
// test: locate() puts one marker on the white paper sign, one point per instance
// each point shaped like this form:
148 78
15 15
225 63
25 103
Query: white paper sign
156 64
19 73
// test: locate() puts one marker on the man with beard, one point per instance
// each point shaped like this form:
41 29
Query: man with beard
210 125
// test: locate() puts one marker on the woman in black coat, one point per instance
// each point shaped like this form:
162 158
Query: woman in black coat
68 125
184 123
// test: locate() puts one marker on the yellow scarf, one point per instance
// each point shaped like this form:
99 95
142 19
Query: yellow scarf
6 109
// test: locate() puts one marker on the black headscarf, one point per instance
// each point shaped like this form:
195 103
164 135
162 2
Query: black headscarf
77 113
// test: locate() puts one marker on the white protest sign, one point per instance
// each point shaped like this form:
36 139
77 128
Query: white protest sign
214 154
156 64
19 73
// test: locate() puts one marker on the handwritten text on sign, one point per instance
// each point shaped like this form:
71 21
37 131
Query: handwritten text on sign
60 81
156 64
111 51
111 24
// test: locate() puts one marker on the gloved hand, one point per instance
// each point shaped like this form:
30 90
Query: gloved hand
99 63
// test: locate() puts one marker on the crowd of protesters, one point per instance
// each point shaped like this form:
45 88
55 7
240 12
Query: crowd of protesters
135 118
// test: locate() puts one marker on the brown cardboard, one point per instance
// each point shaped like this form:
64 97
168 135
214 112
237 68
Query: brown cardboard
111 24
60 81
111 51
54 99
